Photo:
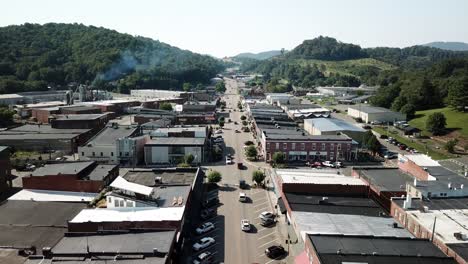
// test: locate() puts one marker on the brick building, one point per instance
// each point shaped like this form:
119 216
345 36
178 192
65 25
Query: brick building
5 169
73 177
80 121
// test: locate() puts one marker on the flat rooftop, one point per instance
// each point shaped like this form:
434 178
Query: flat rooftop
42 129
370 109
163 141
302 202
323 223
148 177
68 168
333 124
80 117
435 204
52 196
375 249
386 179
131 214
110 134
298 176
133 242
420 159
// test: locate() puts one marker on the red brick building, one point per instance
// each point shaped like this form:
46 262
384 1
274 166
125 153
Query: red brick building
73 177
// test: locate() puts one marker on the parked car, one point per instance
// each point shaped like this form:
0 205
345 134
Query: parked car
208 213
390 155
229 161
235 123
267 221
211 201
383 136
219 131
237 131
29 167
402 146
60 159
245 225
240 166
328 163
275 251
218 140
206 227
242 184
266 215
338 164
367 127
205 257
203 243
316 164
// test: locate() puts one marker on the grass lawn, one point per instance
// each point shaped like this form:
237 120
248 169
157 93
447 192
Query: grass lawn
455 119
433 153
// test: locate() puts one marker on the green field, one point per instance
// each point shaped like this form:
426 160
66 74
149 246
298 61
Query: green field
433 153
455 120
346 67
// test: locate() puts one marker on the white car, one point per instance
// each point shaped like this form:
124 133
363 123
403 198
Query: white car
328 164
219 131
266 215
245 225
229 161
206 227
203 243
242 197
218 140
204 257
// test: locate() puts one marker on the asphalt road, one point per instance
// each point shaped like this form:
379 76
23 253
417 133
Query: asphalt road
232 244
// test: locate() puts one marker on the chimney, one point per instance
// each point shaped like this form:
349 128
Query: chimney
449 185
46 251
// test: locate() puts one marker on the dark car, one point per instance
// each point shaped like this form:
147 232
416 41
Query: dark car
383 136
275 252
211 201
242 184
267 221
240 166
208 213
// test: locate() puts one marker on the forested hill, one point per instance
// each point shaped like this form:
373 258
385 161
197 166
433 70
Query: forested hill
261 55
34 56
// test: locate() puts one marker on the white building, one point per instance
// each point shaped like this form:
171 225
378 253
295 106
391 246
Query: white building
282 98
171 150
103 146
370 114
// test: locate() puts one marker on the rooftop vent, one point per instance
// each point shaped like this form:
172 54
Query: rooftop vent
158 180
395 225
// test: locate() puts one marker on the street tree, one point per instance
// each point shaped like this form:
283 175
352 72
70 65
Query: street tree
450 145
243 117
258 176
279 158
187 87
189 158
251 152
165 106
214 176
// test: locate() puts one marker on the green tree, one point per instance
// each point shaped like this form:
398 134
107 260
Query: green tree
165 106
6 117
214 176
409 110
243 117
221 124
199 86
436 123
220 87
187 87
189 158
251 152
373 144
278 158
258 176
450 145
244 123
458 95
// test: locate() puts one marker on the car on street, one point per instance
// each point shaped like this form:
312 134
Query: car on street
245 225
383 136
204 228
219 131
328 163
390 155
229 161
204 258
218 140
315 164
237 131
242 197
60 159
203 243
240 166
402 146
267 221
338 164
242 184
29 167
266 215
208 213
236 123
275 251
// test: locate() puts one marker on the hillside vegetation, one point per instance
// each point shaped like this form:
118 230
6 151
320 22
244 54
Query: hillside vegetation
259 56
34 56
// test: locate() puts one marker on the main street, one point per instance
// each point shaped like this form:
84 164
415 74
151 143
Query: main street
232 244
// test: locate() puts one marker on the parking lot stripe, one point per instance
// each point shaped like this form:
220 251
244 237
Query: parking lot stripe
265 236
270 261
262 204
275 240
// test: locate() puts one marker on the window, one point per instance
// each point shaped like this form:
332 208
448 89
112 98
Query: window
110 199
332 155
82 154
102 154
120 153
116 203
129 204
126 154
293 146
121 203
268 145
285 145
338 147
112 154
277 145
332 146
302 146
94 154
323 146
349 146
314 146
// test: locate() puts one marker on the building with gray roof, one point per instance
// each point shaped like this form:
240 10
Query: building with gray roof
371 114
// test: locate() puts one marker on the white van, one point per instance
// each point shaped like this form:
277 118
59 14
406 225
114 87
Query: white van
242 197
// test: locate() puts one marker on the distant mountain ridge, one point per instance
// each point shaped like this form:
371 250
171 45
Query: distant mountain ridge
259 56
455 46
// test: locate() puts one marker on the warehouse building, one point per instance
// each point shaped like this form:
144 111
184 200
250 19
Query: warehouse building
332 126
370 114
80 121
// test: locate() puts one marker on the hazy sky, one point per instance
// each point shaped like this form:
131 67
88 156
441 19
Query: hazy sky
221 28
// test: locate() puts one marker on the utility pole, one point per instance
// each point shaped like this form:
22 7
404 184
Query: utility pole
433 229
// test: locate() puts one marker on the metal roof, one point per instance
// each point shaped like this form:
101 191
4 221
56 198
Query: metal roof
371 109
68 168
312 177
155 141
130 214
121 183
332 124
52 196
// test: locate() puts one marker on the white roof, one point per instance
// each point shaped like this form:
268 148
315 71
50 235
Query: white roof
121 183
324 223
52 196
422 160
10 96
130 214
317 177
448 222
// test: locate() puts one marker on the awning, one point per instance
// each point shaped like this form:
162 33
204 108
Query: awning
281 205
302 258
